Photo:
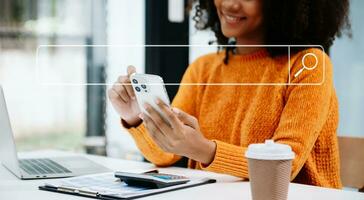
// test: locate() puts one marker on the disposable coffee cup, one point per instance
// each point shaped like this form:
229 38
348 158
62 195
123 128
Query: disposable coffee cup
269 170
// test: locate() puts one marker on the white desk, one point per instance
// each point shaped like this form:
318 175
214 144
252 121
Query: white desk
227 187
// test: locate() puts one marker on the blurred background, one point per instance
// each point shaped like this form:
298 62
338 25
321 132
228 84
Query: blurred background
78 117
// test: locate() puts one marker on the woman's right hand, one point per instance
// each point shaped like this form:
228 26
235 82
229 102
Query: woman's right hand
123 99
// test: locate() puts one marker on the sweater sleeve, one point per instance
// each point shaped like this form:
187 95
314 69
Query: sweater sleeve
305 112
307 107
185 100
229 159
150 150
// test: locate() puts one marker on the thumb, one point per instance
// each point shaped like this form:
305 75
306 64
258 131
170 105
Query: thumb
131 69
186 118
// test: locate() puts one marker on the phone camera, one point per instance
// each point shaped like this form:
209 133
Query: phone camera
144 86
137 89
135 81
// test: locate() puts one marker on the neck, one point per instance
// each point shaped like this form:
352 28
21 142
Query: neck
254 40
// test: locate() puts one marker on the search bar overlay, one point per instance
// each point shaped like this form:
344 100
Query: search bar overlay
270 65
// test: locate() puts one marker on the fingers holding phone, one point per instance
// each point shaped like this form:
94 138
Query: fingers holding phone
123 99
148 88
129 88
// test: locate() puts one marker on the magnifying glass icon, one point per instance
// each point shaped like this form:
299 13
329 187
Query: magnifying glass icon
304 65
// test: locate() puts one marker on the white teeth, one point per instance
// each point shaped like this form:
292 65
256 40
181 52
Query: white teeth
232 18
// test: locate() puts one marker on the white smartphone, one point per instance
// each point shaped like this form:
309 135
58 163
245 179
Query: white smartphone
147 89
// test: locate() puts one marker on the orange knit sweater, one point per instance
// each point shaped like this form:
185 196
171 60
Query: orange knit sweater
302 114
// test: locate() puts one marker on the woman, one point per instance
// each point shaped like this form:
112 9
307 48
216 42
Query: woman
212 125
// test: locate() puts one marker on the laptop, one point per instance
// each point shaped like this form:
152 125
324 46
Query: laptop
39 168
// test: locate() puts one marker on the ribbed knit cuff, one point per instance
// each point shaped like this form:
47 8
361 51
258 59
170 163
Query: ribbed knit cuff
151 151
229 159
136 131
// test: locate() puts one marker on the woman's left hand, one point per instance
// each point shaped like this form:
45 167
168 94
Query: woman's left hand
182 136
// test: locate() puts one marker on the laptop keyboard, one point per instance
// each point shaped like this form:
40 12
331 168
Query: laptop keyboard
42 166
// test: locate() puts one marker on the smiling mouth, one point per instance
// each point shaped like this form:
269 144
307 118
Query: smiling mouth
231 19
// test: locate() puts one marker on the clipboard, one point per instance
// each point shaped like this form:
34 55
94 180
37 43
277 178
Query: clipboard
107 186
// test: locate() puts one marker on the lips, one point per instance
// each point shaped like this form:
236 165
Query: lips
233 19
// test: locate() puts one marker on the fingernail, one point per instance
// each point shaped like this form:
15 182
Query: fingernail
133 97
141 116
176 110
158 101
146 106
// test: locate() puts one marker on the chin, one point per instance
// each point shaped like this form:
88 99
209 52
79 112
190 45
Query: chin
231 33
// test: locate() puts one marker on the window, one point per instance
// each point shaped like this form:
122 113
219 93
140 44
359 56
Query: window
44 116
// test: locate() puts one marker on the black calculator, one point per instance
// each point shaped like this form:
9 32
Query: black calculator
151 180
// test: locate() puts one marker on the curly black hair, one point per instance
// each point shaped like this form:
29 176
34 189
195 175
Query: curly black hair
288 22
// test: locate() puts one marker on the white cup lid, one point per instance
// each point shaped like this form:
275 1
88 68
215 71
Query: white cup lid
269 151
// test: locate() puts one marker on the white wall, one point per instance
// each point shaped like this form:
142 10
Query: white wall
348 61
125 26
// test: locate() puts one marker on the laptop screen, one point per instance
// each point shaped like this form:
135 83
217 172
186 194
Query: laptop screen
8 154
